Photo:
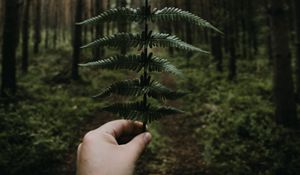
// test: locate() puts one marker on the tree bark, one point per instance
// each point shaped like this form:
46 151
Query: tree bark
188 31
98 29
37 27
10 40
77 41
232 43
47 18
285 105
122 26
297 20
25 37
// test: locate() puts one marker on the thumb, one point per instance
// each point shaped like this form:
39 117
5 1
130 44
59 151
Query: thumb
138 144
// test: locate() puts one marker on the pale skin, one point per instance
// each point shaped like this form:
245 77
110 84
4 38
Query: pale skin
101 153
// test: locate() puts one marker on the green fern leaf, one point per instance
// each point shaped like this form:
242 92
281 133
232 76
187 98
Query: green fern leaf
136 40
134 88
159 91
173 14
118 41
136 111
167 40
135 63
131 62
124 88
116 14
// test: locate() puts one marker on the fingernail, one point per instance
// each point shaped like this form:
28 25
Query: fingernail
147 137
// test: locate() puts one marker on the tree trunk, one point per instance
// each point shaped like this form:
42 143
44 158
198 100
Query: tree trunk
188 31
54 28
108 25
25 36
47 18
37 27
285 112
77 41
122 26
297 18
232 43
10 40
98 51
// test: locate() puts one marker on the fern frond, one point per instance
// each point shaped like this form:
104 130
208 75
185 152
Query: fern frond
134 88
118 41
116 14
167 40
131 62
159 91
136 40
136 111
135 63
157 64
173 14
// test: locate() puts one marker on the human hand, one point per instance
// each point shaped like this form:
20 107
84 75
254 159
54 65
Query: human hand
101 154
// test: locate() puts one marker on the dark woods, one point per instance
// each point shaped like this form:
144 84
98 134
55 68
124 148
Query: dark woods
257 35
248 26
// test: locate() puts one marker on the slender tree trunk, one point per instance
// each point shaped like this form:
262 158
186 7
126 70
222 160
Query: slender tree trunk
108 24
25 31
77 41
99 29
232 43
122 26
216 39
54 28
217 52
37 27
10 40
244 29
285 112
188 31
297 18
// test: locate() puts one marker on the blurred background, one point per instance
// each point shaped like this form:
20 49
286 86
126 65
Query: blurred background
241 111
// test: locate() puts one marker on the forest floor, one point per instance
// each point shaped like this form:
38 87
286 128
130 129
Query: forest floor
223 120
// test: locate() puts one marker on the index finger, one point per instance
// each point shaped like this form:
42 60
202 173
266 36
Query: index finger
118 128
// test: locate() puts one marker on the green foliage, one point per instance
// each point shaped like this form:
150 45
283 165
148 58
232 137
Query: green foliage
136 40
135 88
116 14
145 86
167 14
236 133
173 14
40 132
138 111
135 63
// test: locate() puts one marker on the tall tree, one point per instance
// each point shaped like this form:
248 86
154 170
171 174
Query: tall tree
98 28
77 40
122 26
232 40
47 18
10 40
297 18
25 36
37 26
188 31
285 112
216 38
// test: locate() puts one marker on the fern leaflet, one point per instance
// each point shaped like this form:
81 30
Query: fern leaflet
174 14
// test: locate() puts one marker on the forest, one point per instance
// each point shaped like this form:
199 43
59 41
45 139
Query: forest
239 113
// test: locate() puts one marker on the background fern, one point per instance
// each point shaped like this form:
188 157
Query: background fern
145 63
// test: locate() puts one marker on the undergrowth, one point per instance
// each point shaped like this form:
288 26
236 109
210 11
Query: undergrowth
236 132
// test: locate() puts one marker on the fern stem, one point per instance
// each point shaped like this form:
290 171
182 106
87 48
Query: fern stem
146 81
